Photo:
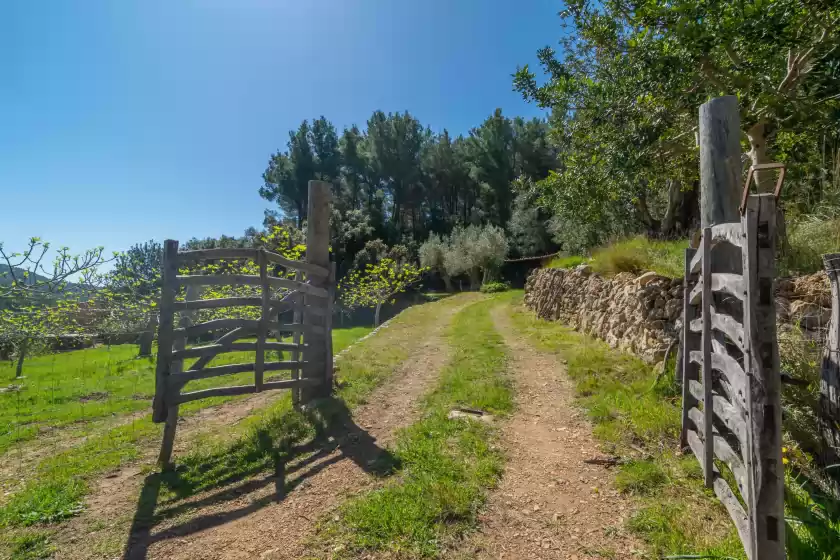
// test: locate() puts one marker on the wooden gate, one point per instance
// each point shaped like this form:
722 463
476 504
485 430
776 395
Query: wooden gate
732 417
285 307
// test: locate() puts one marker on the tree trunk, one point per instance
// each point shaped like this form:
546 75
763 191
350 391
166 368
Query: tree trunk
683 212
24 346
447 281
376 315
475 280
757 135
651 224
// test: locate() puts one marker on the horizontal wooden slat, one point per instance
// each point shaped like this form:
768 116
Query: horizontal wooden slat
722 490
696 262
725 324
217 392
289 383
731 233
298 328
214 254
219 324
303 266
213 349
216 303
732 284
218 280
731 370
216 371
733 507
731 416
301 287
724 452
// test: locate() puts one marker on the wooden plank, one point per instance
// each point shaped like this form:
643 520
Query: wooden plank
219 280
214 349
724 323
220 324
328 352
262 328
733 507
216 303
302 287
829 419
706 345
690 341
216 392
291 383
731 371
229 369
723 451
165 329
731 416
696 262
297 319
302 266
216 254
725 282
171 425
720 160
731 233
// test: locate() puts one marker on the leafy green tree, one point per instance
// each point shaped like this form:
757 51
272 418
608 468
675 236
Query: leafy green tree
377 284
476 251
433 257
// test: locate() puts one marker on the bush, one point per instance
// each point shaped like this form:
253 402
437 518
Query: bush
494 287
808 239
638 254
569 261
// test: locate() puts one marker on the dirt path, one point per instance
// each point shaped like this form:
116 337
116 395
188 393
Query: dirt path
273 517
550 504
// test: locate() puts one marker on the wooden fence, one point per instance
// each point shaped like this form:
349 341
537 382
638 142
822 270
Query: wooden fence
282 287
830 370
732 417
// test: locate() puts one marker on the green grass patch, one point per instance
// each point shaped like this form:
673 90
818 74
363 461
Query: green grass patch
640 254
569 261
808 240
676 514
447 465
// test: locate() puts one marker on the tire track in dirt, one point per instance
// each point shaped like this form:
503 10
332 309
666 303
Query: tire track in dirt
549 504
248 520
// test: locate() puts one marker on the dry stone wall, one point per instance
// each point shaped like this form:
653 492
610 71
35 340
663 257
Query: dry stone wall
642 314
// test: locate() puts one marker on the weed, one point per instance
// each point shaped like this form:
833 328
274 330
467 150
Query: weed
640 477
638 254
31 545
570 261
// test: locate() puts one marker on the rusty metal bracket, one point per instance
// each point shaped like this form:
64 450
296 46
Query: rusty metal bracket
761 167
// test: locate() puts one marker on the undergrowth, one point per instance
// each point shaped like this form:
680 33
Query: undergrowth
635 255
447 465
808 239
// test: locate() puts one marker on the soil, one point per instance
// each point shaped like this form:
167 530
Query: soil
550 503
275 515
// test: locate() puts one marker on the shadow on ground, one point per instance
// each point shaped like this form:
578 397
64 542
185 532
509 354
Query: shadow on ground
266 457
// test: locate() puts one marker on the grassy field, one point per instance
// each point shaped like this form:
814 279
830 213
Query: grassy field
59 483
77 387
446 465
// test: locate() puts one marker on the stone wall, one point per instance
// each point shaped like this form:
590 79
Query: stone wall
641 314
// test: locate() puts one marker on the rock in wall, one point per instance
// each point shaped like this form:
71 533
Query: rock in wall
642 314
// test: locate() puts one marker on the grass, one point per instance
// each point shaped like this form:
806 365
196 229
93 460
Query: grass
635 255
446 465
73 388
57 488
675 515
808 239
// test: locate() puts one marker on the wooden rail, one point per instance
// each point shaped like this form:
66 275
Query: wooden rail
731 399
263 299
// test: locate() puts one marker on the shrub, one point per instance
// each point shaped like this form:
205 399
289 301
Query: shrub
638 254
494 287
808 239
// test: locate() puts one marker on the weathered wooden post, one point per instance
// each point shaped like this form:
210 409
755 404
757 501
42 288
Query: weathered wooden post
147 337
720 161
166 327
763 456
830 372
317 252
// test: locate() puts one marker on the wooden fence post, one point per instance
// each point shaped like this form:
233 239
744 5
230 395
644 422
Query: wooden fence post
690 341
830 371
167 300
720 161
706 314
262 329
147 337
763 458
317 252
171 425
297 318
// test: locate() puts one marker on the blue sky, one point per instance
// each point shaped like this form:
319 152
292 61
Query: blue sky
122 121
